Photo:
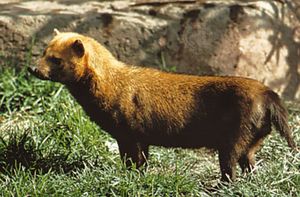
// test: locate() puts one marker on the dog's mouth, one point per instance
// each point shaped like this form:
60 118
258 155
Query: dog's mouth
37 73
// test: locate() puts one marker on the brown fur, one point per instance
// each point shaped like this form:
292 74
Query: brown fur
142 106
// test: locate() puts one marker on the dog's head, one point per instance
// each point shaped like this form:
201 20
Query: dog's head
64 60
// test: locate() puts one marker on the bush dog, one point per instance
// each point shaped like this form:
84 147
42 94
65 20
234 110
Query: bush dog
144 106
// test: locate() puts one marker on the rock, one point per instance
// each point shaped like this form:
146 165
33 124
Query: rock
257 39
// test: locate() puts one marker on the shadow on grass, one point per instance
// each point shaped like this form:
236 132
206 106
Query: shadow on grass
21 151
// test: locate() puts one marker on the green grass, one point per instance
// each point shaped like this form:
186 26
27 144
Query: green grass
48 146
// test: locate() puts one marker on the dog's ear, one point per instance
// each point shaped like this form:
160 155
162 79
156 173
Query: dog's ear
56 32
78 48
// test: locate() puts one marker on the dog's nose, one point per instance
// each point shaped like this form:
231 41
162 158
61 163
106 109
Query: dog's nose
37 73
32 69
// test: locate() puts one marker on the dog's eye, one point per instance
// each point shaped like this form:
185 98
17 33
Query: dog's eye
55 60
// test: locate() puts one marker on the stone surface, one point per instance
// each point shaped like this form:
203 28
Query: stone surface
257 39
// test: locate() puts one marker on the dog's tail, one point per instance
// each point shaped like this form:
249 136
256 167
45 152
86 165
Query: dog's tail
279 117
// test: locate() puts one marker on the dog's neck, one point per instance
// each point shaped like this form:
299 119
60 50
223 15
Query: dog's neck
102 84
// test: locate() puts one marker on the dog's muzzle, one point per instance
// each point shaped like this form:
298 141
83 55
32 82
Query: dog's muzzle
37 73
